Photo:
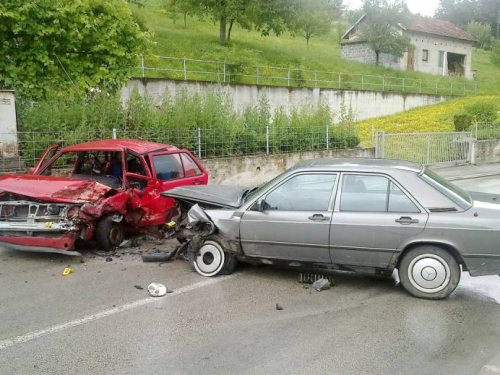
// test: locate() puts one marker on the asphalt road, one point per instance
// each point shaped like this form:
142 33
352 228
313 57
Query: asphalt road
95 321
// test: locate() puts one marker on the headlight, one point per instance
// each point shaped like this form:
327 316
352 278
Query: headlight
53 209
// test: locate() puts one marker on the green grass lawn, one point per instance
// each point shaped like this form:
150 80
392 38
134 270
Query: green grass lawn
199 40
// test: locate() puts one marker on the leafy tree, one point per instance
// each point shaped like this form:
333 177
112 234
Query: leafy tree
482 32
56 44
380 29
315 18
458 12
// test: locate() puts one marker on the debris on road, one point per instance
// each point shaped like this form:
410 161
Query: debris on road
309 278
279 307
138 287
156 257
157 289
67 271
321 284
109 259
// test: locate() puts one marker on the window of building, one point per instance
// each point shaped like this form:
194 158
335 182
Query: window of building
425 55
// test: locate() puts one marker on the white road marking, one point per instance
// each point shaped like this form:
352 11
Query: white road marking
115 310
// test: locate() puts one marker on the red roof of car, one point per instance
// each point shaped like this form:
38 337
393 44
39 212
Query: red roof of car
134 145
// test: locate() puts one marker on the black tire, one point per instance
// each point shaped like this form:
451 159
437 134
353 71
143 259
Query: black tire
429 272
212 259
109 234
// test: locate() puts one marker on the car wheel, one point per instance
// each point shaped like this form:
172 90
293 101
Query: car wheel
109 234
429 272
212 260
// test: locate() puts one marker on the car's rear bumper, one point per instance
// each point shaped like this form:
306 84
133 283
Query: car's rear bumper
482 264
61 245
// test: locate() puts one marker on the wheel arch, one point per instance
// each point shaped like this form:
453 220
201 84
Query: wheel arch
443 245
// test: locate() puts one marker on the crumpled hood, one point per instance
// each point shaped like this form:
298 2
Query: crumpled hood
217 195
53 189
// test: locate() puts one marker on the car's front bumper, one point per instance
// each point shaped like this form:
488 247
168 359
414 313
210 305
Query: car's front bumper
64 244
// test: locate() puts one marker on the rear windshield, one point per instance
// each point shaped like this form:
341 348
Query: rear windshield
457 195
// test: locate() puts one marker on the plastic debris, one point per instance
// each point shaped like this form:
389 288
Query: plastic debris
109 259
321 284
157 257
138 287
67 271
279 307
157 289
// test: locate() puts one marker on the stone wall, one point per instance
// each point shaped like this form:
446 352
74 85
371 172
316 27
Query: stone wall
363 53
485 151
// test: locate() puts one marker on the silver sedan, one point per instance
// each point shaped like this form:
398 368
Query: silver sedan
366 215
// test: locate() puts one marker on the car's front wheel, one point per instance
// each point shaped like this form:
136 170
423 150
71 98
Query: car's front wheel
109 234
429 272
212 260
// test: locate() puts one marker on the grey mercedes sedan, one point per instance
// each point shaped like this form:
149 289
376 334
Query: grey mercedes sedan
349 214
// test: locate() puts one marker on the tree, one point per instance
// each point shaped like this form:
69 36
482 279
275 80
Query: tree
315 18
380 29
56 44
495 53
482 32
458 12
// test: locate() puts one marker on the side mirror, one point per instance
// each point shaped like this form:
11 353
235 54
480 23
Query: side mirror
259 205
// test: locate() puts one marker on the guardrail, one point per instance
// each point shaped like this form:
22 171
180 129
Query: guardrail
230 72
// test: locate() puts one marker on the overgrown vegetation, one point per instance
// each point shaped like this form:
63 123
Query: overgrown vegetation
182 118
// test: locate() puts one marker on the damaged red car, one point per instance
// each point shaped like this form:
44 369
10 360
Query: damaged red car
94 191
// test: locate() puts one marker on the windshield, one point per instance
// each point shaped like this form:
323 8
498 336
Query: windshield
457 195
256 191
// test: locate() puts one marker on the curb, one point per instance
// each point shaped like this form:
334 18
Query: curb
472 176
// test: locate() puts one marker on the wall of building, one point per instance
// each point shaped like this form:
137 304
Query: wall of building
365 104
257 169
434 44
363 53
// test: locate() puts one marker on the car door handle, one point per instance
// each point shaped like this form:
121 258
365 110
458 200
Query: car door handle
319 217
406 220
197 182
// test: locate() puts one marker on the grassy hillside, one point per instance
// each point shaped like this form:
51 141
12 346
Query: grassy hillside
434 118
199 39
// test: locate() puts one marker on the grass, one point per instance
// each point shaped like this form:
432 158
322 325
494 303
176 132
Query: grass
199 40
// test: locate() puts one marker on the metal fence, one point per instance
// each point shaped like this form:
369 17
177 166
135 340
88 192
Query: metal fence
228 72
204 143
483 130
425 148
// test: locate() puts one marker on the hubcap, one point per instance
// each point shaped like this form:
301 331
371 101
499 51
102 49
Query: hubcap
114 235
210 259
429 273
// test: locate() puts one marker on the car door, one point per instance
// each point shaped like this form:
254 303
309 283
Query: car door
295 221
373 215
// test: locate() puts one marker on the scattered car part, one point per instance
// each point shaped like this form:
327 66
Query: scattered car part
157 257
157 289
321 284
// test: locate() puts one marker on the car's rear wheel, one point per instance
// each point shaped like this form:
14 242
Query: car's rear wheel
109 234
429 272
212 260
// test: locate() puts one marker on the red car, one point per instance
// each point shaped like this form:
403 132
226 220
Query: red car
94 191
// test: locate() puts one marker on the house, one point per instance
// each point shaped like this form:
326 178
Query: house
440 48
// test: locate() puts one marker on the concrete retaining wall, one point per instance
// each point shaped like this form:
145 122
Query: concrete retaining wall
487 151
257 169
365 104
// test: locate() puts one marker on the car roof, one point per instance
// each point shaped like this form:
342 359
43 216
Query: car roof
359 164
134 145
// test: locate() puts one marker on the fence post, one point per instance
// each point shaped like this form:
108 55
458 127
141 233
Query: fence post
257 75
362 82
379 144
327 137
420 86
185 70
403 85
436 87
315 79
464 89
142 66
475 127
224 67
340 79
451 88
114 133
373 135
288 78
383 83
199 143
267 139
427 152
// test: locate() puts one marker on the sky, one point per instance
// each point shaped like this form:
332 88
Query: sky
424 7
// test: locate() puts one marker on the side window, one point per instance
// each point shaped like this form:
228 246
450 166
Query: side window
190 167
134 165
168 167
364 193
399 202
373 194
307 192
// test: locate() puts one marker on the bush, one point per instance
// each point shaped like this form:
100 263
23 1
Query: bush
462 122
483 111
